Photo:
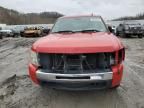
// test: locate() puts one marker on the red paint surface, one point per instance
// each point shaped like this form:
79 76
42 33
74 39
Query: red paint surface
78 43
32 73
117 74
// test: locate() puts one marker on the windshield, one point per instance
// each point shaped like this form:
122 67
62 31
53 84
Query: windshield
79 24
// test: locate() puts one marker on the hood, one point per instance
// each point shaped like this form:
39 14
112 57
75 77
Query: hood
77 43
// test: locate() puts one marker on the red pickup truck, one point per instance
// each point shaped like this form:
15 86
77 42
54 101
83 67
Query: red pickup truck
79 53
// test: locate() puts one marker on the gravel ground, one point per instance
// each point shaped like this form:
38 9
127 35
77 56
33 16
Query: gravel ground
17 90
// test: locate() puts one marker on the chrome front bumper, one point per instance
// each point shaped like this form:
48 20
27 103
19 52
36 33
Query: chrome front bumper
73 78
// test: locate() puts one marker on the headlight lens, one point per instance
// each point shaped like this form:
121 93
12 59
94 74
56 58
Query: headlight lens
112 59
34 58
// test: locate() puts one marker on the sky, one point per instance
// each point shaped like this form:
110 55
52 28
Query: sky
108 9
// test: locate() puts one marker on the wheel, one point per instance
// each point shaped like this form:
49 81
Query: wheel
14 36
8 35
117 33
22 35
1 37
37 35
122 34
140 36
127 35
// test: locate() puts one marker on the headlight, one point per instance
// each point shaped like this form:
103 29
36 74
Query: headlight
34 58
112 59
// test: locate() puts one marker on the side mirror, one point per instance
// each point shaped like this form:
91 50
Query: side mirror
110 29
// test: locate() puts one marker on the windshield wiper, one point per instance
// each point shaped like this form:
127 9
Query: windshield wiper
89 30
64 31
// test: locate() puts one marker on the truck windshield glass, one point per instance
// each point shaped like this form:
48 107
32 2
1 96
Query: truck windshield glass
80 24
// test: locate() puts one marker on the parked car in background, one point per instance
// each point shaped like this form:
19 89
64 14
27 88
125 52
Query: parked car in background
130 29
31 31
6 33
16 30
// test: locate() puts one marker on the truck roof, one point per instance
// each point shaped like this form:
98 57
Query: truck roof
77 16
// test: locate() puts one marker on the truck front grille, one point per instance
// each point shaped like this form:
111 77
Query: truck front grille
76 63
